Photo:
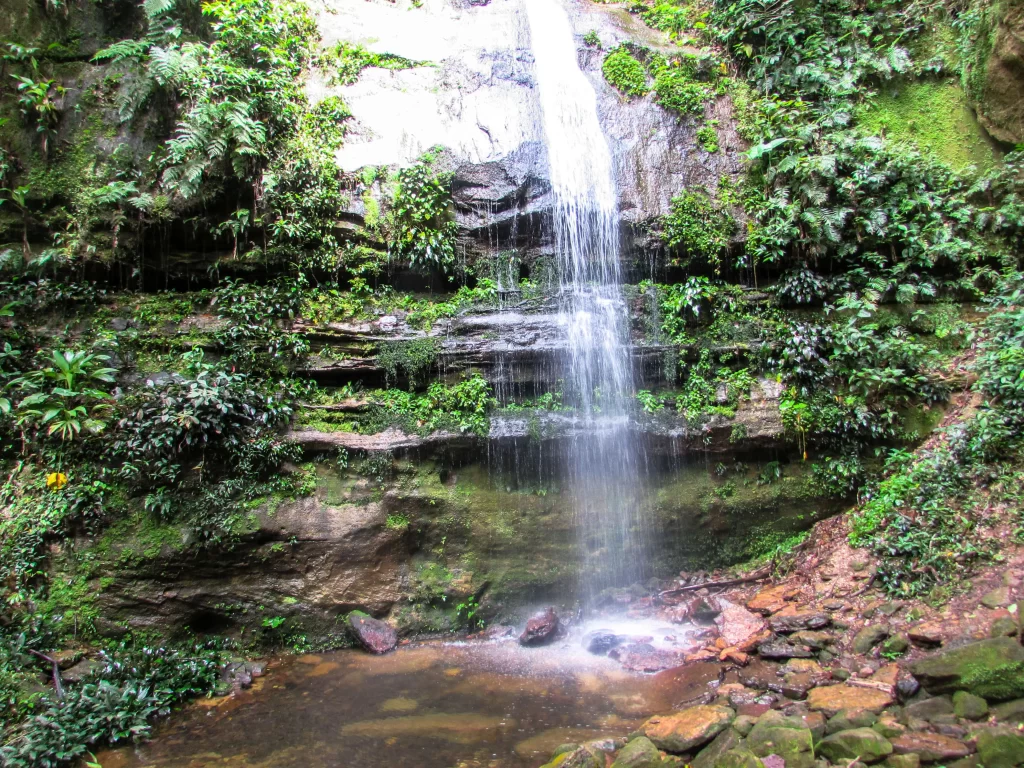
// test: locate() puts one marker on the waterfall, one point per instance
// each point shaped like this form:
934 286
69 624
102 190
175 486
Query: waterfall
604 460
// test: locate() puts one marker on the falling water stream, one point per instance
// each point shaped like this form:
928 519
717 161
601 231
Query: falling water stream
492 703
604 457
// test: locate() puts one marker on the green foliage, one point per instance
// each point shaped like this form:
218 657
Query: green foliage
698 228
707 137
462 407
624 72
413 359
649 402
61 396
423 227
925 517
209 416
255 340
592 39
116 704
350 59
677 91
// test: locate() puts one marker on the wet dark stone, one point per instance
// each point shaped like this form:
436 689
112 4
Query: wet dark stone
540 629
644 657
780 649
372 634
601 641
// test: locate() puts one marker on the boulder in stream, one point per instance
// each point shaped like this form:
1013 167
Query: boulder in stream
600 641
372 634
540 629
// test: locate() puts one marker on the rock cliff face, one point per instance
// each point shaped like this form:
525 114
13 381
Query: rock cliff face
475 96
996 76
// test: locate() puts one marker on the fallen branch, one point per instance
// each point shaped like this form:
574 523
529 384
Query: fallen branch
756 576
57 684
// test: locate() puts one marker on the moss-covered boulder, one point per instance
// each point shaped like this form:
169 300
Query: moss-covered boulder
787 737
739 758
992 669
728 739
969 706
639 753
862 744
581 757
1001 747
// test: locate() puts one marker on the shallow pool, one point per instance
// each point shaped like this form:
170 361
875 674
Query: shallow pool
431 705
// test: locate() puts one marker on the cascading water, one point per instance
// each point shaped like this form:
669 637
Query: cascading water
604 459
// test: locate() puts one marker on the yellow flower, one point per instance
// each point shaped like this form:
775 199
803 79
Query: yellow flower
56 480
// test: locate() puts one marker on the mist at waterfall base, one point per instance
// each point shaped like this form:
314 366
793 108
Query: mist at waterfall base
603 459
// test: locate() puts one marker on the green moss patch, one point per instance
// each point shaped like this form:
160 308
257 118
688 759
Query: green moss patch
935 116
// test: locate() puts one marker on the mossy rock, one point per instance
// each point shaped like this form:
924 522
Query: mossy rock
1001 747
639 753
992 669
739 758
786 737
862 744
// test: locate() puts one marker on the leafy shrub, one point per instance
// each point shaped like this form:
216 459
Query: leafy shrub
625 73
707 137
676 91
350 59
698 228
423 223
116 704
212 414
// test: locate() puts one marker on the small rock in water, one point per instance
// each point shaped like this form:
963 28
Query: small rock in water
600 641
372 634
540 629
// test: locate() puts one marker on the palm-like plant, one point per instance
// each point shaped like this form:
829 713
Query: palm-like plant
64 396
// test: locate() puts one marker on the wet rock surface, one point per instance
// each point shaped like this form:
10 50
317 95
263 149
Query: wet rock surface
372 634
541 628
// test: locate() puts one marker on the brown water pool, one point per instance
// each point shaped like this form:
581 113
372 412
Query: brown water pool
431 705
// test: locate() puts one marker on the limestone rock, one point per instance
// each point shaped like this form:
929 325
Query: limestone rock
81 671
540 629
831 699
862 744
600 641
996 75
928 633
770 600
1001 747
585 756
372 634
780 649
927 709
682 731
992 669
902 761
930 747
736 624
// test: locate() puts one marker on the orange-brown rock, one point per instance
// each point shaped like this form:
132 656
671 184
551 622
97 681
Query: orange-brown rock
830 699
682 731
772 599
734 655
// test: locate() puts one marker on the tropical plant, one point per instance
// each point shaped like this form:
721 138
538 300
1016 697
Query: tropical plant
62 396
